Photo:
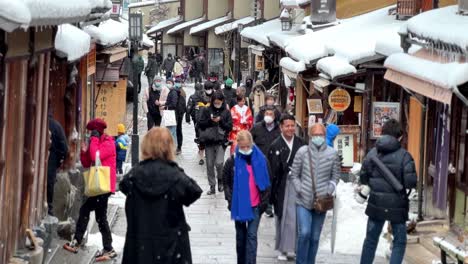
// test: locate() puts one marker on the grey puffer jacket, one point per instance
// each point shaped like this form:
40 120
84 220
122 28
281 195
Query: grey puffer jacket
326 167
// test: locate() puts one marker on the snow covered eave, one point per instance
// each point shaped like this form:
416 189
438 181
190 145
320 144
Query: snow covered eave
234 25
71 42
108 33
184 25
291 67
13 15
335 66
164 25
210 24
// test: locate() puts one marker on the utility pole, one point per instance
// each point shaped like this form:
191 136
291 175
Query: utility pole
239 44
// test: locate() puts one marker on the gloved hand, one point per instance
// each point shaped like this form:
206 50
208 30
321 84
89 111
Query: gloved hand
331 188
95 133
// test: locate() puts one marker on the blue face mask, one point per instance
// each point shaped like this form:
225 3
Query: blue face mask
246 152
317 140
178 85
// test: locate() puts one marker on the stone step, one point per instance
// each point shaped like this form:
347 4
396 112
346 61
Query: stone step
61 256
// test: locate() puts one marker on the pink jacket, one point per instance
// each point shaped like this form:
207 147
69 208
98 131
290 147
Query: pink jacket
106 147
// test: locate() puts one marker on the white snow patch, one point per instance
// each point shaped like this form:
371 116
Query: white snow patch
261 32
283 38
209 24
292 65
108 33
447 75
164 24
335 66
72 42
147 41
441 24
234 25
351 225
294 3
118 242
14 14
118 199
148 3
186 25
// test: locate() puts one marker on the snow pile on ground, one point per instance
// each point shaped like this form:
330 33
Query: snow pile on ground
72 42
335 66
446 75
118 199
108 33
441 24
351 225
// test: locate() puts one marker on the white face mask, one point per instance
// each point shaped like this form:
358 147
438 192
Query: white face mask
268 119
246 152
169 86
209 92
317 140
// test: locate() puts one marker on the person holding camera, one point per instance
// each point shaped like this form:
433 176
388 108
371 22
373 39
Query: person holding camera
387 172
215 124
315 173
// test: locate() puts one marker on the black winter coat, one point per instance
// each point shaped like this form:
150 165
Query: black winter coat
58 147
157 231
280 168
228 182
168 64
198 66
152 97
263 138
225 123
171 101
261 114
181 107
230 96
385 203
193 110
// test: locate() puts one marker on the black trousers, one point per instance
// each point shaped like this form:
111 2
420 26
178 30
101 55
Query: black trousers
139 82
98 204
180 137
168 74
51 179
153 120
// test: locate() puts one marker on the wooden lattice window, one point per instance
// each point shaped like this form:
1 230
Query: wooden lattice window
408 8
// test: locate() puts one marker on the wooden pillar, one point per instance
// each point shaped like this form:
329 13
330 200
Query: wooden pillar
366 113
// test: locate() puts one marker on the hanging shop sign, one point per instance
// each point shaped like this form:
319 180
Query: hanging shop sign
339 100
259 63
344 145
381 113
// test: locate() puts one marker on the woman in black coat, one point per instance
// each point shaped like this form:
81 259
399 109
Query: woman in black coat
157 189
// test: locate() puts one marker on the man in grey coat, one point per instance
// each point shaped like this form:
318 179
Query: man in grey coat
320 164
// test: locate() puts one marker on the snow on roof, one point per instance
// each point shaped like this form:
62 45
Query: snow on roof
72 42
260 33
233 25
108 33
292 65
148 3
207 25
147 41
164 24
293 3
282 38
447 75
14 14
335 66
441 24
353 39
185 25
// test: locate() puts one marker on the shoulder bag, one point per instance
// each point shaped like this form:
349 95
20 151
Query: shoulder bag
323 203
97 179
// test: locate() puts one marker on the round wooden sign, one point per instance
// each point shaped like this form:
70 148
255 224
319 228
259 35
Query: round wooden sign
339 100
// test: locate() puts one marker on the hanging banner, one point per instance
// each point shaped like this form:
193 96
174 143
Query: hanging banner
323 11
259 63
339 100
344 145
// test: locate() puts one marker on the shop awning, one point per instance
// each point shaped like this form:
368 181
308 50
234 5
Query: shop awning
233 25
164 25
429 75
182 26
209 25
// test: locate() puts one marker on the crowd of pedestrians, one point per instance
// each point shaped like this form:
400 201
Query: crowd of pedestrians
270 170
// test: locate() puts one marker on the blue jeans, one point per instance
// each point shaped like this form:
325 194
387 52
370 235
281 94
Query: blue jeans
246 239
173 130
309 226
374 229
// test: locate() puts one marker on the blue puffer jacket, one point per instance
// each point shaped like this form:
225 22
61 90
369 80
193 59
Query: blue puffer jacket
121 145
332 131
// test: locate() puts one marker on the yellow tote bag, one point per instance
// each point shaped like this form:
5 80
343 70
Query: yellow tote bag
97 179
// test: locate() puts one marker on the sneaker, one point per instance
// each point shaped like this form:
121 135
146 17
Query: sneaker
201 162
72 246
220 188
282 257
211 191
104 255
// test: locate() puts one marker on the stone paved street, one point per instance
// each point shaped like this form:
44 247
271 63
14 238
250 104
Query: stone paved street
213 234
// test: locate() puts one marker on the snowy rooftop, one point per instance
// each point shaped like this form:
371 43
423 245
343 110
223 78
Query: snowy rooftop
291 65
441 24
185 25
147 41
261 32
233 25
210 24
164 24
353 39
293 3
108 33
72 42
447 75
335 66
24 13
148 3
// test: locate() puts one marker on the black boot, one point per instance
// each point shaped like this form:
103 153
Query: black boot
220 187
211 191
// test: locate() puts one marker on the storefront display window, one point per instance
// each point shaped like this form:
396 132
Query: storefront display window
216 61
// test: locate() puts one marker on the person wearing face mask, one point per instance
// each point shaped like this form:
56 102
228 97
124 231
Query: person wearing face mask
152 98
215 125
196 102
316 170
266 131
242 119
168 101
247 190
229 93
283 196
269 102
180 112
213 78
